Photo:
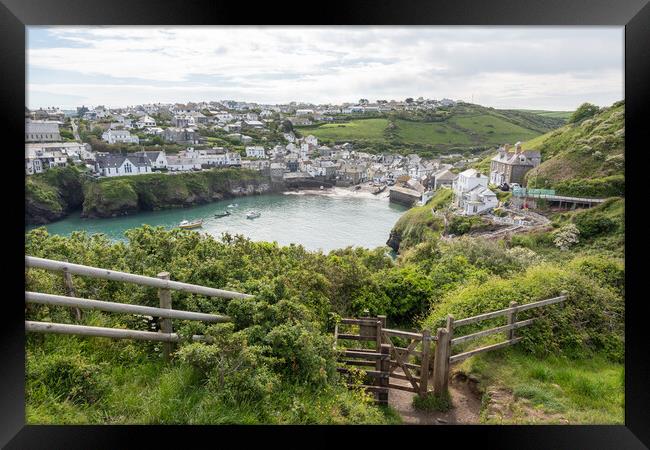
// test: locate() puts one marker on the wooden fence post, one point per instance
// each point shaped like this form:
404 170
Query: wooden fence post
380 325
383 365
424 364
69 291
441 362
512 318
165 297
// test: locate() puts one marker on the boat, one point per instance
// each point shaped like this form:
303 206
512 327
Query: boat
187 225
379 190
321 188
222 214
233 205
253 214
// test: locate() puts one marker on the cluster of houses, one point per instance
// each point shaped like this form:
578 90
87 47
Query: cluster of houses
294 160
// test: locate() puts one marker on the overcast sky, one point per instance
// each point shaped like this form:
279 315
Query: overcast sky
554 68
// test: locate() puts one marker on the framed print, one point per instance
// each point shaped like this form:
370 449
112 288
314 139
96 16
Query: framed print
395 220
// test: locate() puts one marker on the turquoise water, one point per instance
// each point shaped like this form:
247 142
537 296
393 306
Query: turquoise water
317 221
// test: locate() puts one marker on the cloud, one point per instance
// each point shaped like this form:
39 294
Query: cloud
558 67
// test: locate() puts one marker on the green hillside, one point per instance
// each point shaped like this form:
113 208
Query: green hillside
554 114
583 158
458 128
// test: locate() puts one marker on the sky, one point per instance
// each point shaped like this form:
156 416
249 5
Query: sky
550 68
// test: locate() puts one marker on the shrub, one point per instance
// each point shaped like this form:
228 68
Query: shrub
70 377
566 236
432 402
591 225
591 319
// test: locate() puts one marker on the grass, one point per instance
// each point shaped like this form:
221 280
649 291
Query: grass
136 387
585 391
556 114
476 128
366 129
432 402
431 133
492 129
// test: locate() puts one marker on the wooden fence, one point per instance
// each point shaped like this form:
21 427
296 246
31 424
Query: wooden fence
417 372
164 313
445 337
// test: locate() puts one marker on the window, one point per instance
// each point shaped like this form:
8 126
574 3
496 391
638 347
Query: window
127 167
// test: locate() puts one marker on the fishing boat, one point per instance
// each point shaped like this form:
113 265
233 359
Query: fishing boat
187 225
253 214
222 214
233 205
379 190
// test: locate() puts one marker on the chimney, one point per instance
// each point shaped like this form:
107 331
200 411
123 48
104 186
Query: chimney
518 147
506 147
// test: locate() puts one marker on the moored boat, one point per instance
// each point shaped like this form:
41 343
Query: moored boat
253 214
187 225
233 205
222 214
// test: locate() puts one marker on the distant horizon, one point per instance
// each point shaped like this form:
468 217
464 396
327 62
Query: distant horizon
538 68
74 107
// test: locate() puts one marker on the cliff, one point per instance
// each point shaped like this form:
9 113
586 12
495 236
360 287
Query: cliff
54 194
111 197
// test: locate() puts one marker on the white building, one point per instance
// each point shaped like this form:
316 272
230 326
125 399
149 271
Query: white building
110 165
471 193
146 121
121 136
255 152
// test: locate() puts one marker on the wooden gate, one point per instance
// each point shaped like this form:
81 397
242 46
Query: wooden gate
365 357
416 372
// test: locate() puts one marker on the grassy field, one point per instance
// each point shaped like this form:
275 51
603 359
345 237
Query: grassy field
550 390
366 129
556 114
463 129
431 133
491 129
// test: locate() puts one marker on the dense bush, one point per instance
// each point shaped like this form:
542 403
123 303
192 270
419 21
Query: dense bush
591 320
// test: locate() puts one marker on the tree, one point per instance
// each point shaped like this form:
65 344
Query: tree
583 112
287 126
363 101
409 100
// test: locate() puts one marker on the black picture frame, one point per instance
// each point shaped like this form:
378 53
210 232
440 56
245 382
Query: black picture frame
15 15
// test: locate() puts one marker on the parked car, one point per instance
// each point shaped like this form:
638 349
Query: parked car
504 187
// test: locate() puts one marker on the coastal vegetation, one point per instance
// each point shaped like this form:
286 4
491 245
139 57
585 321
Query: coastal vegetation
585 157
281 340
59 191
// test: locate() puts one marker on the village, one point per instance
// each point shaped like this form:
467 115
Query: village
275 149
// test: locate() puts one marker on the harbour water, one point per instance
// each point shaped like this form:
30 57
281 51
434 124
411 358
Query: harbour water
335 218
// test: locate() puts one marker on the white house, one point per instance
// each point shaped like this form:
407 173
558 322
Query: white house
471 193
110 165
255 152
180 164
304 112
123 136
157 159
311 140
146 121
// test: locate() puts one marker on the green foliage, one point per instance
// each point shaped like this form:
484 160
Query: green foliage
583 112
585 158
432 402
587 390
590 320
67 377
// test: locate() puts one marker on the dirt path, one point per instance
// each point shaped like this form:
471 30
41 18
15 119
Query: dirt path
466 405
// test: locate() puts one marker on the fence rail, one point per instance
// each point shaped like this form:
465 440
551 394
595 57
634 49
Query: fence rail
60 300
164 313
113 275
